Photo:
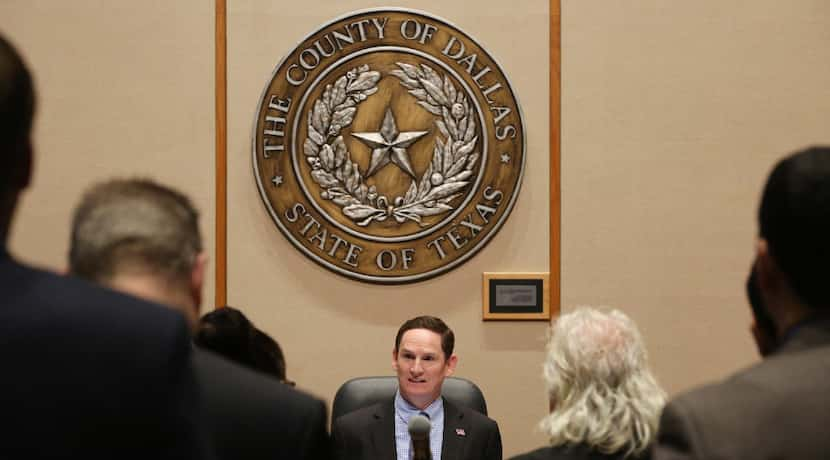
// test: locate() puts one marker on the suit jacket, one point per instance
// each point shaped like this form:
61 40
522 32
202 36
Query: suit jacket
778 409
254 416
369 434
90 373
568 452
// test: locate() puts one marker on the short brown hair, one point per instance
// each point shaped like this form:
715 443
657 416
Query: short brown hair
134 223
433 324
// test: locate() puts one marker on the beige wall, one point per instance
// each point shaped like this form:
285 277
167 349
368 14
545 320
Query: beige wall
672 114
125 89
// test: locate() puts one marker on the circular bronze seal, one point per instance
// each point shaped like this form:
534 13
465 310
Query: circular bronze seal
389 146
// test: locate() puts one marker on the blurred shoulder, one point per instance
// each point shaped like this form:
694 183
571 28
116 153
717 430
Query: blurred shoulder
543 453
65 306
216 372
359 419
567 452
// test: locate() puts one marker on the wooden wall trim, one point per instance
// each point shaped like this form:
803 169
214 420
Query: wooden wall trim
221 155
555 140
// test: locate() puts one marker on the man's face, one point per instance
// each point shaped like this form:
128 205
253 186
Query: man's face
421 366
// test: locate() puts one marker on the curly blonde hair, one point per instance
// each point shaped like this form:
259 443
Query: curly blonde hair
597 375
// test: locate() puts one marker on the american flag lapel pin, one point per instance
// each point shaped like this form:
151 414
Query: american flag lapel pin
460 432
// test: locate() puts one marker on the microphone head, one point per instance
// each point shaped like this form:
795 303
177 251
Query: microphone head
419 427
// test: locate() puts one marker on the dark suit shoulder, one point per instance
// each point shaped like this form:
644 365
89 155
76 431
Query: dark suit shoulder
364 415
776 372
366 433
567 452
66 304
94 368
473 416
777 406
216 372
543 453
252 415
763 388
471 433
74 326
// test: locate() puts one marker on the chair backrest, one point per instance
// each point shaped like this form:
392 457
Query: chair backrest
365 391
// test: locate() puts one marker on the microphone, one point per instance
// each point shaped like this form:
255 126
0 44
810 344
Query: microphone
419 427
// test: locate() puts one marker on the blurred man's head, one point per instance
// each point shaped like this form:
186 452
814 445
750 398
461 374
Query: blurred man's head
228 332
423 358
794 243
142 238
602 393
17 109
269 357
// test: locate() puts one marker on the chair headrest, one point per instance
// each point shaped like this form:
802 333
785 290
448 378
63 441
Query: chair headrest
365 391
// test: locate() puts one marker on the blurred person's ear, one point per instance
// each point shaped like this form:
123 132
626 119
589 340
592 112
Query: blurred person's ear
770 278
780 301
763 341
197 280
765 266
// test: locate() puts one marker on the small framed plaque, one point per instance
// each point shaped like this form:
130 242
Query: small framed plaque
515 296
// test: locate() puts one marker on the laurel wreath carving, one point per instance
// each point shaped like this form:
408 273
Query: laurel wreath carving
447 174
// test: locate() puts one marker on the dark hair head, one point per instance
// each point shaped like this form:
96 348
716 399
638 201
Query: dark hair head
228 332
794 219
433 324
134 224
268 357
17 109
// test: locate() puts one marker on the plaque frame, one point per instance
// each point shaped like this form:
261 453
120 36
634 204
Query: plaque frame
534 311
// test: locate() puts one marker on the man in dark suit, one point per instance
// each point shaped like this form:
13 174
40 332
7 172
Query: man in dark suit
87 373
423 357
780 408
143 238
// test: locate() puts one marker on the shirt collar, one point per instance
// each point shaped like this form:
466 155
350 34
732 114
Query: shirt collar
808 332
405 410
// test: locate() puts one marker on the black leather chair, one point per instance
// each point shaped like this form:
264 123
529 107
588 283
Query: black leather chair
365 391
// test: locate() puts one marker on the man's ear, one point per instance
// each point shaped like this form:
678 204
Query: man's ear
395 359
764 343
451 363
197 280
769 275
